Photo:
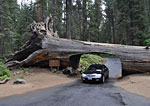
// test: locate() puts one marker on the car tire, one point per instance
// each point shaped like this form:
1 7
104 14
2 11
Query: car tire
103 79
107 76
83 81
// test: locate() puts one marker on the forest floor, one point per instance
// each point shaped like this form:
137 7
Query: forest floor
38 78
138 84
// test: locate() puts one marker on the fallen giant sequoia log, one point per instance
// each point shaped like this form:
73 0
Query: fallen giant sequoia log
45 44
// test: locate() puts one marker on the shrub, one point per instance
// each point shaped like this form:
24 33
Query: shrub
147 42
2 60
107 56
25 70
88 59
54 70
4 72
3 77
21 77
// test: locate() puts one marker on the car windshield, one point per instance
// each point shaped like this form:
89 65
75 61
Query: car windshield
92 72
94 69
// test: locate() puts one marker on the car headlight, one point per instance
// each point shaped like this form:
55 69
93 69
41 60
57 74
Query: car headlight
98 75
83 75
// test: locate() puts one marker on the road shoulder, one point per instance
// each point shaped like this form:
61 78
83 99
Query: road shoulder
38 79
138 84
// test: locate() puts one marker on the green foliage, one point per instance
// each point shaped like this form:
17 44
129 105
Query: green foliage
21 70
25 18
2 60
25 70
8 19
4 72
21 77
126 21
147 42
54 70
3 77
88 59
107 56
95 15
14 73
58 72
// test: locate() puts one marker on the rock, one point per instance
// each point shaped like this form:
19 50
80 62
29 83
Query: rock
19 81
17 72
68 70
132 81
147 47
65 71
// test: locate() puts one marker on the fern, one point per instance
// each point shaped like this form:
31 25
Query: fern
4 72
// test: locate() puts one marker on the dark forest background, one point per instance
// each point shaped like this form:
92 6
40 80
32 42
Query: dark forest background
119 21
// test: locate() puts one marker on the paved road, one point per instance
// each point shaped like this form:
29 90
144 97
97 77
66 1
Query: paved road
114 66
78 94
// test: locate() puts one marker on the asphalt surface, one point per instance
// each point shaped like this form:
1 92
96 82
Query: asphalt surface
79 94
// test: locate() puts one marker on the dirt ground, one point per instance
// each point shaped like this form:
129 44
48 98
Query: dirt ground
37 79
138 84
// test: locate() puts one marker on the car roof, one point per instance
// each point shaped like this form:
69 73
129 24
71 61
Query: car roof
97 65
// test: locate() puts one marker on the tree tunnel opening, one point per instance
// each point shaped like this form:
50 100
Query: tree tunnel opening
111 61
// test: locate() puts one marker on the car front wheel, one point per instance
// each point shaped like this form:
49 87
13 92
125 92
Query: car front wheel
83 81
103 79
107 76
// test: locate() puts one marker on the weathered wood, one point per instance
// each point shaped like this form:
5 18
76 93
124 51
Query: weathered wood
4 81
43 46
130 67
135 53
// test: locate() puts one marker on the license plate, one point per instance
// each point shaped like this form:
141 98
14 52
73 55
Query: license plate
89 78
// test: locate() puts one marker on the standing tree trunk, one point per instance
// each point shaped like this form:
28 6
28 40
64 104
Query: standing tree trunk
113 29
80 17
39 11
131 24
68 22
85 34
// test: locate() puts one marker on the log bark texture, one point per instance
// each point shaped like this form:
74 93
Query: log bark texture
45 44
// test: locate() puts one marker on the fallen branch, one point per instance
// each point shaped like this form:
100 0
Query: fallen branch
4 81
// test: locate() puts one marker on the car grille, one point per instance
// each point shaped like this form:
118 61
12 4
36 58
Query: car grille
91 75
